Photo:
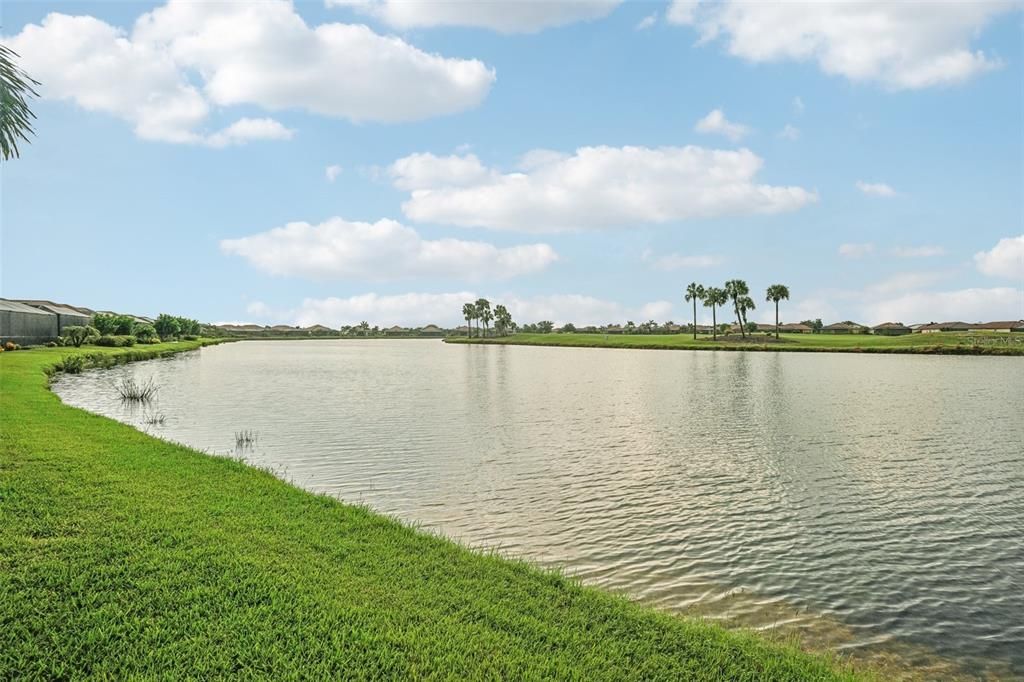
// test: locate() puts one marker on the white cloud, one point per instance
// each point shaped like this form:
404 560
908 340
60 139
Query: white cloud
647 22
902 45
798 105
905 281
716 123
332 172
967 305
260 54
789 132
875 189
596 187
675 261
503 16
927 251
246 129
856 250
1005 259
384 250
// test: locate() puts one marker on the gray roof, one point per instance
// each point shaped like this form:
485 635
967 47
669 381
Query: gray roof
16 307
56 308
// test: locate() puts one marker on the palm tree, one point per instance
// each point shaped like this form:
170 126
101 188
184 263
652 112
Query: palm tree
469 312
483 312
746 303
776 293
502 320
15 116
693 293
736 289
713 296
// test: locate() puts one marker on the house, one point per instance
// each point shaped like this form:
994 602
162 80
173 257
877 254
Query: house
318 329
1003 326
283 328
933 327
795 328
613 329
396 331
26 325
241 327
431 330
846 327
66 315
703 328
891 329
672 329
462 331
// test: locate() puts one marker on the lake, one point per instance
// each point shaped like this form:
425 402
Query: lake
872 504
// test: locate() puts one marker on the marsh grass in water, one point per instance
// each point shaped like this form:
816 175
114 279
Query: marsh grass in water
155 419
246 438
133 390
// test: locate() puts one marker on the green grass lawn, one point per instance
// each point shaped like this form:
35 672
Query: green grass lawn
977 343
122 555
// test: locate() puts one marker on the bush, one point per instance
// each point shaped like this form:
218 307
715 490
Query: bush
167 326
191 337
72 364
10 345
76 336
143 331
51 344
151 340
120 341
113 325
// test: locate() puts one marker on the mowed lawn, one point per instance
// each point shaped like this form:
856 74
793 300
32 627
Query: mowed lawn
123 556
980 343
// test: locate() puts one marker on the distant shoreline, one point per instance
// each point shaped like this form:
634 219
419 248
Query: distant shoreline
945 343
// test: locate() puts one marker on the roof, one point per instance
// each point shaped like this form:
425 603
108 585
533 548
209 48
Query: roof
396 328
946 325
891 325
844 325
55 308
318 328
18 307
796 325
1007 324
282 328
430 328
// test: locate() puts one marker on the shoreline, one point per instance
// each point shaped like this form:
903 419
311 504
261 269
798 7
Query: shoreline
952 345
124 554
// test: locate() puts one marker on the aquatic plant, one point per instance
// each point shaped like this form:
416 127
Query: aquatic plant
246 438
132 390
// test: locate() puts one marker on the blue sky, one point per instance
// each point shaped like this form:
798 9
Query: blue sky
871 157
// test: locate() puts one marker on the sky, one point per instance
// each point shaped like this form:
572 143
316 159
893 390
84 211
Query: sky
579 161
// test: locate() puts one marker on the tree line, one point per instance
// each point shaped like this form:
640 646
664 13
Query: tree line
480 311
737 292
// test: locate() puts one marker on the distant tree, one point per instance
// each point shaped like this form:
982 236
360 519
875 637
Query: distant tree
167 326
695 292
714 297
469 312
483 313
746 303
104 323
376 330
569 327
187 327
775 294
736 289
143 331
364 328
815 325
751 327
545 326
502 320
123 324
16 87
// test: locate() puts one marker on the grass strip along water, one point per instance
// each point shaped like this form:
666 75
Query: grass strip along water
122 555
945 343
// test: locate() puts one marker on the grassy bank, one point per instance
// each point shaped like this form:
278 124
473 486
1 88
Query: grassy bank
122 555
945 343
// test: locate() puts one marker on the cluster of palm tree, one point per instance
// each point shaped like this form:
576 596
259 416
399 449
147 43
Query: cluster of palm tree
736 291
480 312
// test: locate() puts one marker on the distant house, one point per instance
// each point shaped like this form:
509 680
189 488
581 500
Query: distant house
318 329
891 329
241 327
613 329
66 315
844 328
463 330
431 330
795 328
933 327
672 329
283 328
25 325
704 329
396 331
1003 326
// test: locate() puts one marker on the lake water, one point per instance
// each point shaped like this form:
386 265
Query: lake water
872 504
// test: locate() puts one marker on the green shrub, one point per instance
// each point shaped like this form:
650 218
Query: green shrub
151 340
119 341
143 331
76 336
191 337
51 344
113 325
167 326
72 364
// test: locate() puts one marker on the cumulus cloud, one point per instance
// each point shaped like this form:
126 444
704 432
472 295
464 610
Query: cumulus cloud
418 308
856 250
1005 259
676 261
902 45
596 187
385 250
905 281
967 305
503 16
875 189
716 123
259 54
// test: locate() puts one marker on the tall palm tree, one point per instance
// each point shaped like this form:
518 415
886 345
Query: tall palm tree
713 296
483 313
746 303
469 312
776 293
15 116
694 292
736 289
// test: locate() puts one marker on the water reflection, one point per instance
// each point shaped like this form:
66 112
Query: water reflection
870 503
